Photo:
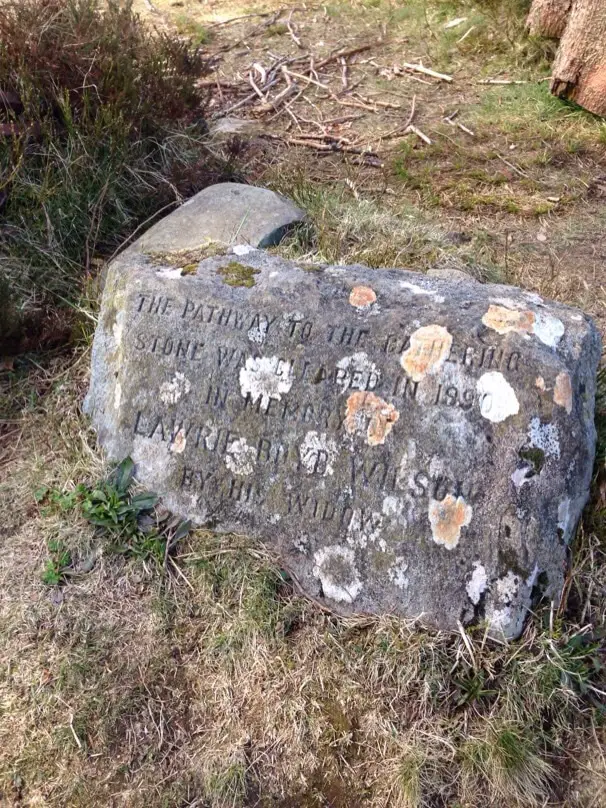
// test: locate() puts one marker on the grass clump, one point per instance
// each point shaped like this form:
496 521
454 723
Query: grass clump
106 122
198 34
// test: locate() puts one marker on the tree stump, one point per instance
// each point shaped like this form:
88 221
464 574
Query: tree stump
548 17
579 70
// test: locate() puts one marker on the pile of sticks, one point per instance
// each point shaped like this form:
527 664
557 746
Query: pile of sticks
273 91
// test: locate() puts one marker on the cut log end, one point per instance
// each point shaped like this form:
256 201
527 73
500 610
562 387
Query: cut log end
579 70
589 92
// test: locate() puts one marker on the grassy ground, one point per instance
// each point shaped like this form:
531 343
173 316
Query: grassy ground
131 676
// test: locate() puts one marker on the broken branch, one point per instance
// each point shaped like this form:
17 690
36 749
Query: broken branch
427 72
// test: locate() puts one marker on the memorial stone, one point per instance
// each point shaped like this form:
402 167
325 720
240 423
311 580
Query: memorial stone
407 445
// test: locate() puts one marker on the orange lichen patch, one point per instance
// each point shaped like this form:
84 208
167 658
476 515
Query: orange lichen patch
562 392
447 517
362 297
540 383
368 414
503 320
429 349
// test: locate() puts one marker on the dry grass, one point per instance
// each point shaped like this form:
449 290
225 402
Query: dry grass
211 683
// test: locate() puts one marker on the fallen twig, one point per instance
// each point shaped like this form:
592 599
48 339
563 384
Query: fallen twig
454 23
427 72
344 78
416 131
308 79
345 54
465 129
251 81
291 31
466 34
274 103
403 128
385 104
501 81
237 19
334 146
512 166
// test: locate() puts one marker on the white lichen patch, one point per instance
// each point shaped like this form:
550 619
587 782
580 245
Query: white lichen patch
562 392
240 458
318 453
358 372
500 608
242 249
365 528
397 573
564 515
265 377
420 290
301 543
257 333
429 349
548 329
521 476
118 328
173 391
210 441
533 297
336 570
117 395
496 396
179 442
447 517
407 462
477 583
545 437
392 507
507 587
499 620
170 272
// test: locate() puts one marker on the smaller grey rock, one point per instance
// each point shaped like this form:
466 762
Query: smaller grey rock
228 213
449 274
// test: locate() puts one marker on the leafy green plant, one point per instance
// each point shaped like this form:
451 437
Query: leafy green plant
128 520
111 506
60 560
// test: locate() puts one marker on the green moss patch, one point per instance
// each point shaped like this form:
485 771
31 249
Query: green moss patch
235 274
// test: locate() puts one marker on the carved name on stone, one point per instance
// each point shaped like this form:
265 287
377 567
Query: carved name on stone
407 445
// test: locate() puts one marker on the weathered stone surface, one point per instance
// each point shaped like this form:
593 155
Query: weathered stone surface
408 445
227 213
450 274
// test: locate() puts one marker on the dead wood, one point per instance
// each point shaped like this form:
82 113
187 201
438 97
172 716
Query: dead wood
579 70
548 17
